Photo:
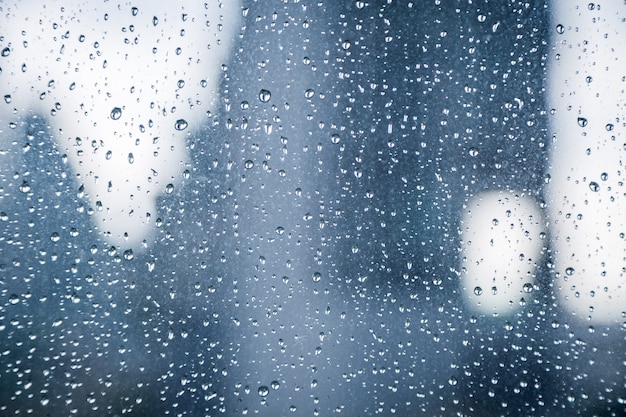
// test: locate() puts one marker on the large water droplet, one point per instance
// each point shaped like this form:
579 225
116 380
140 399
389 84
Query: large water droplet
265 95
25 187
116 113
181 124
560 29
582 122
594 186
264 391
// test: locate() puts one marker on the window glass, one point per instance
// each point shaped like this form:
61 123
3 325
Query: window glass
312 208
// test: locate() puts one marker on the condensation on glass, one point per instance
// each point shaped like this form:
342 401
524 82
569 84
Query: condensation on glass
312 208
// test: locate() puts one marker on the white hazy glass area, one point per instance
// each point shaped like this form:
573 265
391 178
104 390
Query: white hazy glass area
586 201
121 85
502 241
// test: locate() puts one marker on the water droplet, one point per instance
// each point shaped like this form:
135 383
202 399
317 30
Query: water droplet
131 158
180 83
560 29
594 186
280 230
128 255
528 287
134 11
275 385
169 188
7 98
478 291
345 44
6 51
248 164
473 152
334 138
588 79
309 93
181 124
604 176
155 21
263 391
14 299
482 18
116 113
317 277
570 271
609 127
55 237
265 95
108 155
582 122
25 187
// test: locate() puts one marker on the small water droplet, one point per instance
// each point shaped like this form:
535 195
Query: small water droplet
7 98
14 299
604 176
528 287
570 271
131 158
275 385
134 11
334 138
6 51
128 255
582 122
478 291
317 277
265 95
169 188
594 186
588 79
248 164
560 29
155 21
180 83
280 230
309 93
116 113
181 124
609 127
473 152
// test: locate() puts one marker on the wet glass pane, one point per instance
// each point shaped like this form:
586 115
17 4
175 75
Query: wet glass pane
312 208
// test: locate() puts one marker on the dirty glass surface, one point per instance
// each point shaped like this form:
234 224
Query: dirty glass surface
312 208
